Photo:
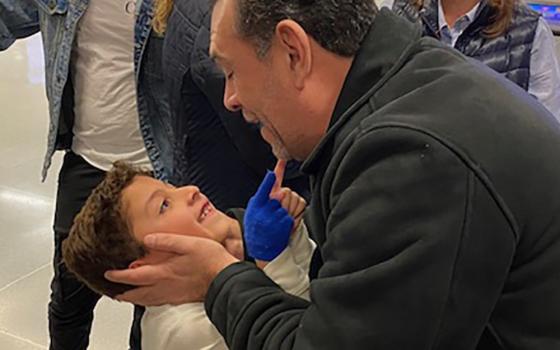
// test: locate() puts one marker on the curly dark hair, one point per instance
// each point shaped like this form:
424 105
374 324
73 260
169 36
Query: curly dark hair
339 26
100 237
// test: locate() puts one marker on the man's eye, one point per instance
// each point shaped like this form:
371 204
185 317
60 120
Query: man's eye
229 76
163 207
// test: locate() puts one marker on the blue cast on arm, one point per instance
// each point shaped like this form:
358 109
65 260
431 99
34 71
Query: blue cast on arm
267 224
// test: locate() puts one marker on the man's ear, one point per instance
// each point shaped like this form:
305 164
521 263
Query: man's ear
295 42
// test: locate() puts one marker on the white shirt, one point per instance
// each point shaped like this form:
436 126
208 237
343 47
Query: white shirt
106 126
186 327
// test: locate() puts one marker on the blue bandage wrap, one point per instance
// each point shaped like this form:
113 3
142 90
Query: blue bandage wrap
267 224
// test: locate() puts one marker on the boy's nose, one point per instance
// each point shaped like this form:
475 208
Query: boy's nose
190 193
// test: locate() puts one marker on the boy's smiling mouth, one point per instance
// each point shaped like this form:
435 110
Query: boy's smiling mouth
206 210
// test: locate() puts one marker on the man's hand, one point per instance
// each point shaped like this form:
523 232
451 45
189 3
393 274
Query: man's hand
181 279
267 224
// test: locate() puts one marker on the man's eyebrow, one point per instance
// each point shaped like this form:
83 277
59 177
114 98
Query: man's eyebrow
154 194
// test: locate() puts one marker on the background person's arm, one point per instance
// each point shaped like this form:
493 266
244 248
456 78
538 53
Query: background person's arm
18 19
410 228
544 79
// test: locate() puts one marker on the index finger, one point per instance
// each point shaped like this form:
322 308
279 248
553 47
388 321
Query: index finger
172 243
141 276
140 296
279 170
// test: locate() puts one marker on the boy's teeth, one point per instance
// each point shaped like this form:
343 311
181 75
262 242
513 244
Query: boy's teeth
205 212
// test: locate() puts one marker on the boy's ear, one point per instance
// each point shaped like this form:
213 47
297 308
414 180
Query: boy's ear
137 263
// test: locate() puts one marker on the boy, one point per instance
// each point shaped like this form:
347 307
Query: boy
130 204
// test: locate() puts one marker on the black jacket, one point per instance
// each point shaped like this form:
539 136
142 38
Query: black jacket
212 148
435 208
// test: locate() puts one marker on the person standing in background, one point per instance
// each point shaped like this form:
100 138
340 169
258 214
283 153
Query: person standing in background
504 34
206 137
94 51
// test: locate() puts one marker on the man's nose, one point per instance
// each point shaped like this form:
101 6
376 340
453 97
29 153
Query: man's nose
189 193
230 98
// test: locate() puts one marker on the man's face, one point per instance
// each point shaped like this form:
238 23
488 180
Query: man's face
260 88
152 206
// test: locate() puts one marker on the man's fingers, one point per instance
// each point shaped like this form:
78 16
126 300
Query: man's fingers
265 188
145 296
171 243
141 276
279 171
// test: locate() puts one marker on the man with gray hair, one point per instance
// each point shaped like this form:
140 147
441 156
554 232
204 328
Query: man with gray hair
435 190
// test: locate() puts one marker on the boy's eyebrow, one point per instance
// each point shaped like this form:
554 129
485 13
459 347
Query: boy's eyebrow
154 194
216 57
212 50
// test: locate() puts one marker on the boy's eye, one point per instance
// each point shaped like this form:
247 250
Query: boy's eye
164 205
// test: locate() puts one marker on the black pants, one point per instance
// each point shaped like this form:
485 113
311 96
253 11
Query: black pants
72 303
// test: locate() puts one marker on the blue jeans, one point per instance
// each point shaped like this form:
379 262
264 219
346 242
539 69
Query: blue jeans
72 303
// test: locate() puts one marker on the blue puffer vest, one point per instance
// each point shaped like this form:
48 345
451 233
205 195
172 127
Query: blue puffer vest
509 53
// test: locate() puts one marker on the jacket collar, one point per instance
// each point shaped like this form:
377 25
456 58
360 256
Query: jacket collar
381 54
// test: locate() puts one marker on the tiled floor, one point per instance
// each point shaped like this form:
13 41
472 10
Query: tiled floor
26 208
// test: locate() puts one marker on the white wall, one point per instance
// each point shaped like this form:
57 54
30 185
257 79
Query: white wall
378 2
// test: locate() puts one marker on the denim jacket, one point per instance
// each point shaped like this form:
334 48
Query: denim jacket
57 20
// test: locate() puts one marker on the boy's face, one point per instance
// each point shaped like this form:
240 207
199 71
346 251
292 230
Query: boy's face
152 206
